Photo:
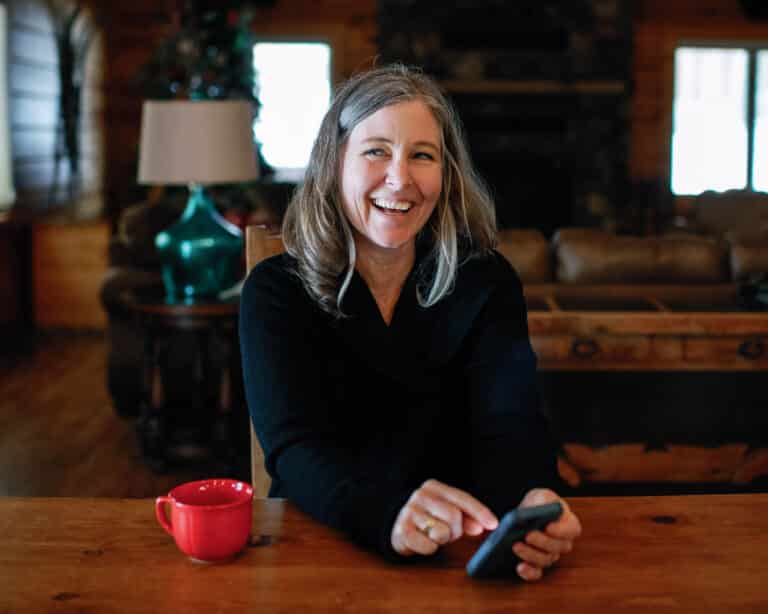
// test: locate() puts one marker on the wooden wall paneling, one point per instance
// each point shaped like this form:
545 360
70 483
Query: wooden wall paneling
335 35
314 10
89 204
687 10
132 31
69 262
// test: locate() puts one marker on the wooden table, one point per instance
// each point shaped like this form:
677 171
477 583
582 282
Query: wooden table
682 554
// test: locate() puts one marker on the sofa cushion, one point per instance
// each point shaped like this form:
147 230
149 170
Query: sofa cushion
528 252
589 256
739 211
748 254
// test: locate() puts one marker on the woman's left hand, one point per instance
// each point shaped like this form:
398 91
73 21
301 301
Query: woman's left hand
543 549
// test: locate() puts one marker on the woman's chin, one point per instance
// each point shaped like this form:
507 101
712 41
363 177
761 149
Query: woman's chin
392 242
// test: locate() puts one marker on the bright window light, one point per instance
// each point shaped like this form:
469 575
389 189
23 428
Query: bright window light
709 140
294 91
760 157
7 195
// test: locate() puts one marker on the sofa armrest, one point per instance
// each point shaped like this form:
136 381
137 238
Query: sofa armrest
119 279
748 255
528 252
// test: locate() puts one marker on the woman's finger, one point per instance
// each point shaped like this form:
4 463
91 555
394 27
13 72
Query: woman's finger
431 526
408 540
567 526
534 556
472 527
441 509
464 501
528 572
417 542
544 542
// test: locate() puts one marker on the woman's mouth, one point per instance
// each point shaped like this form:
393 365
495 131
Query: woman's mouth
392 207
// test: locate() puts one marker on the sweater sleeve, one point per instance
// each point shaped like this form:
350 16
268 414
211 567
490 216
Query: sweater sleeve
512 447
293 414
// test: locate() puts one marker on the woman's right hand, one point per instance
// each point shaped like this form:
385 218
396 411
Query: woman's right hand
437 514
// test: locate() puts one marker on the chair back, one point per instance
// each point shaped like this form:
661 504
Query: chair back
259 244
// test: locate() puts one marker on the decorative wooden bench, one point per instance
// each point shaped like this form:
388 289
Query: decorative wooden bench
645 329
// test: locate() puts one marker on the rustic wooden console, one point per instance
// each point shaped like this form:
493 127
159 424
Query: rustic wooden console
642 330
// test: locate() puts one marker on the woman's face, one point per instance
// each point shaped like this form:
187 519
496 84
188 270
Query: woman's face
391 175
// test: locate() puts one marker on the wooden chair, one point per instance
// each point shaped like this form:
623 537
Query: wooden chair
259 244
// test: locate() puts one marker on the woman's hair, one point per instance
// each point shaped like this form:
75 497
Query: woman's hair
316 231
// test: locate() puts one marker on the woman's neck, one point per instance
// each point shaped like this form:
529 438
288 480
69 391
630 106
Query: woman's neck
385 272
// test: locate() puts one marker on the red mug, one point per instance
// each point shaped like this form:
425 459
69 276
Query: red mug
210 519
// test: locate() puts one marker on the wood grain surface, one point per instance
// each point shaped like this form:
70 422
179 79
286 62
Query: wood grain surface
645 554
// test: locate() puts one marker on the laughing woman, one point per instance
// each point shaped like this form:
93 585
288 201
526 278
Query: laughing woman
387 364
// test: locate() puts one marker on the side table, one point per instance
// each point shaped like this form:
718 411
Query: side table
221 434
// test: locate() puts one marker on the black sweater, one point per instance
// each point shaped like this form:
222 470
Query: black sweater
353 415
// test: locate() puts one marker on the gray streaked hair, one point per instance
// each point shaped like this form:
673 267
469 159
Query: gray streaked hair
316 231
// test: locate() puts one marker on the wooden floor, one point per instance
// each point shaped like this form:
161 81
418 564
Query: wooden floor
58 433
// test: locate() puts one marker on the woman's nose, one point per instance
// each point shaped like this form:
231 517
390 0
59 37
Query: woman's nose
398 173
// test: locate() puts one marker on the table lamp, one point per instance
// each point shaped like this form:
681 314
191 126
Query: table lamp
198 143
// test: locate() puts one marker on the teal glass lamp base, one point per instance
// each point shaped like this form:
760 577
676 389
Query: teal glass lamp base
201 253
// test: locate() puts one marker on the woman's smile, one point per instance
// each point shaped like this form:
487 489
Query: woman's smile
392 206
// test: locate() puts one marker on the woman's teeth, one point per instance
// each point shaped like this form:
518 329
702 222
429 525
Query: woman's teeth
396 205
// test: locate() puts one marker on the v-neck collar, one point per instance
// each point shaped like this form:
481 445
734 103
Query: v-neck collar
397 349
418 339
362 303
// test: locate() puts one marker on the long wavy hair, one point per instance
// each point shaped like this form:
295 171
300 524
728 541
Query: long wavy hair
315 229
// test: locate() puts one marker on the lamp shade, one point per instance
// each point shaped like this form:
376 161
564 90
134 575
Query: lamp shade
205 142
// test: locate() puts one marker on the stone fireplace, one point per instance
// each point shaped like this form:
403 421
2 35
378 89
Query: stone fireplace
543 90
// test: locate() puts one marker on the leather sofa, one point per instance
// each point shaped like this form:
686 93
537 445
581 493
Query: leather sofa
712 256
579 258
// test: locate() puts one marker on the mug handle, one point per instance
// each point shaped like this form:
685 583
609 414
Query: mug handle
160 513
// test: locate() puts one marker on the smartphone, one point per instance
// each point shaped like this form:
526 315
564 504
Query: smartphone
495 557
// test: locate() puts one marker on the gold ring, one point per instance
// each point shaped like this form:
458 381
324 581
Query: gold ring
430 524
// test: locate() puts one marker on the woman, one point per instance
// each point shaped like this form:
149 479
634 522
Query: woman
386 357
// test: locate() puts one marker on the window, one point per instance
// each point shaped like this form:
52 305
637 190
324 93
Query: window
720 119
760 158
294 91
7 195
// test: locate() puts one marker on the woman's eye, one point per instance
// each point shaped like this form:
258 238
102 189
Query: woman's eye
424 155
376 152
